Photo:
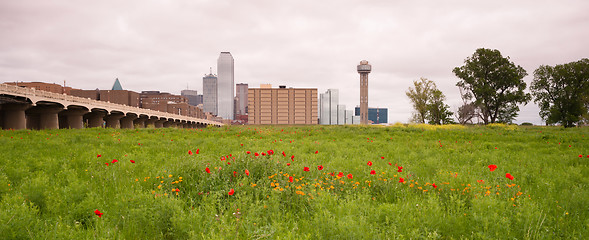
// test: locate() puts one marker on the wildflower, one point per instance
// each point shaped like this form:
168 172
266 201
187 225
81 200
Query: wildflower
177 190
580 155
287 164
316 152
350 176
369 163
270 152
231 192
234 172
114 161
492 167
132 161
106 164
222 158
208 170
247 172
197 150
248 152
263 154
340 174
381 157
306 169
401 180
98 213
292 157
256 154
399 169
320 167
372 172
434 185
290 179
189 152
98 155
390 164
283 154
507 175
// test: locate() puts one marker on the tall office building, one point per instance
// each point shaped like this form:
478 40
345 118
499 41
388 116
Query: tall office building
282 105
328 107
241 106
191 95
225 86
364 69
209 93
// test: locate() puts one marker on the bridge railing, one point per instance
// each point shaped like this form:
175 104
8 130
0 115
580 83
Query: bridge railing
25 92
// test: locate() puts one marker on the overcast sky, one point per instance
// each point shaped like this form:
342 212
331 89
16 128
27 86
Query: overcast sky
169 45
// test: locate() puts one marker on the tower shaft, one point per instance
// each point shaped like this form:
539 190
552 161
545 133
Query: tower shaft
364 69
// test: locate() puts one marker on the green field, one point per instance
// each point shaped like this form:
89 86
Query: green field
54 182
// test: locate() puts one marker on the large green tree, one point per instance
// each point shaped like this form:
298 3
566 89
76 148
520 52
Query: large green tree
428 103
494 83
562 92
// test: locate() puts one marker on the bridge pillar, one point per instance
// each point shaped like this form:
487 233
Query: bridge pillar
160 123
43 116
169 123
140 122
95 118
14 115
150 122
127 121
72 118
113 120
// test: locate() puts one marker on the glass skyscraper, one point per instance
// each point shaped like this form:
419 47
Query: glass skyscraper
209 93
225 86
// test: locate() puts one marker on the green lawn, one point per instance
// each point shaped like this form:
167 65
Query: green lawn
53 183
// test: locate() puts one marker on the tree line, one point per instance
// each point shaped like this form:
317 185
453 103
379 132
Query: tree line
491 87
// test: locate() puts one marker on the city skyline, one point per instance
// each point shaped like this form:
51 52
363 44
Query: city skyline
166 45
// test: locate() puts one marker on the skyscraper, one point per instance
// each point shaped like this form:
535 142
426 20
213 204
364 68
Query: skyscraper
191 95
209 93
241 98
225 86
364 69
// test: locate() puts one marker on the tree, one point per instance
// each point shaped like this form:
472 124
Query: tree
562 92
494 83
419 96
428 103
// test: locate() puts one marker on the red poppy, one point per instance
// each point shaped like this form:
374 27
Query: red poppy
132 161
106 164
332 174
320 167
177 190
372 172
350 176
340 174
248 152
287 164
114 161
306 169
391 164
492 167
434 185
234 172
189 152
381 157
231 192
222 158
292 157
399 169
256 154
401 180
263 154
290 179
283 154
247 172
208 170
316 152
98 155
507 175
270 152
98 213
369 163
228 163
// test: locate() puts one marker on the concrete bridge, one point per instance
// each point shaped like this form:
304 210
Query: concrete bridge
22 108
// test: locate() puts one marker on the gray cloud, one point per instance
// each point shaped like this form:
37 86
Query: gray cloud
165 45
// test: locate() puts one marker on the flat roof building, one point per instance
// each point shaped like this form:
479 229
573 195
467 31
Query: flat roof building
282 106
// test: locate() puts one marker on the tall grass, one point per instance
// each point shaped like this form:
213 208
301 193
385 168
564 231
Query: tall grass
52 181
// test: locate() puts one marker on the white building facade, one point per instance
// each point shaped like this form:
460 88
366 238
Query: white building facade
225 86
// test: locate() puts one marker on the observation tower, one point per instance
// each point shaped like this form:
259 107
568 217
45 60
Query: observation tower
364 69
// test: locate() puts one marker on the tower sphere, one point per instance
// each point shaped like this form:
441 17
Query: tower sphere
364 67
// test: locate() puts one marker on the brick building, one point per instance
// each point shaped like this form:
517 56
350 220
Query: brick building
48 87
